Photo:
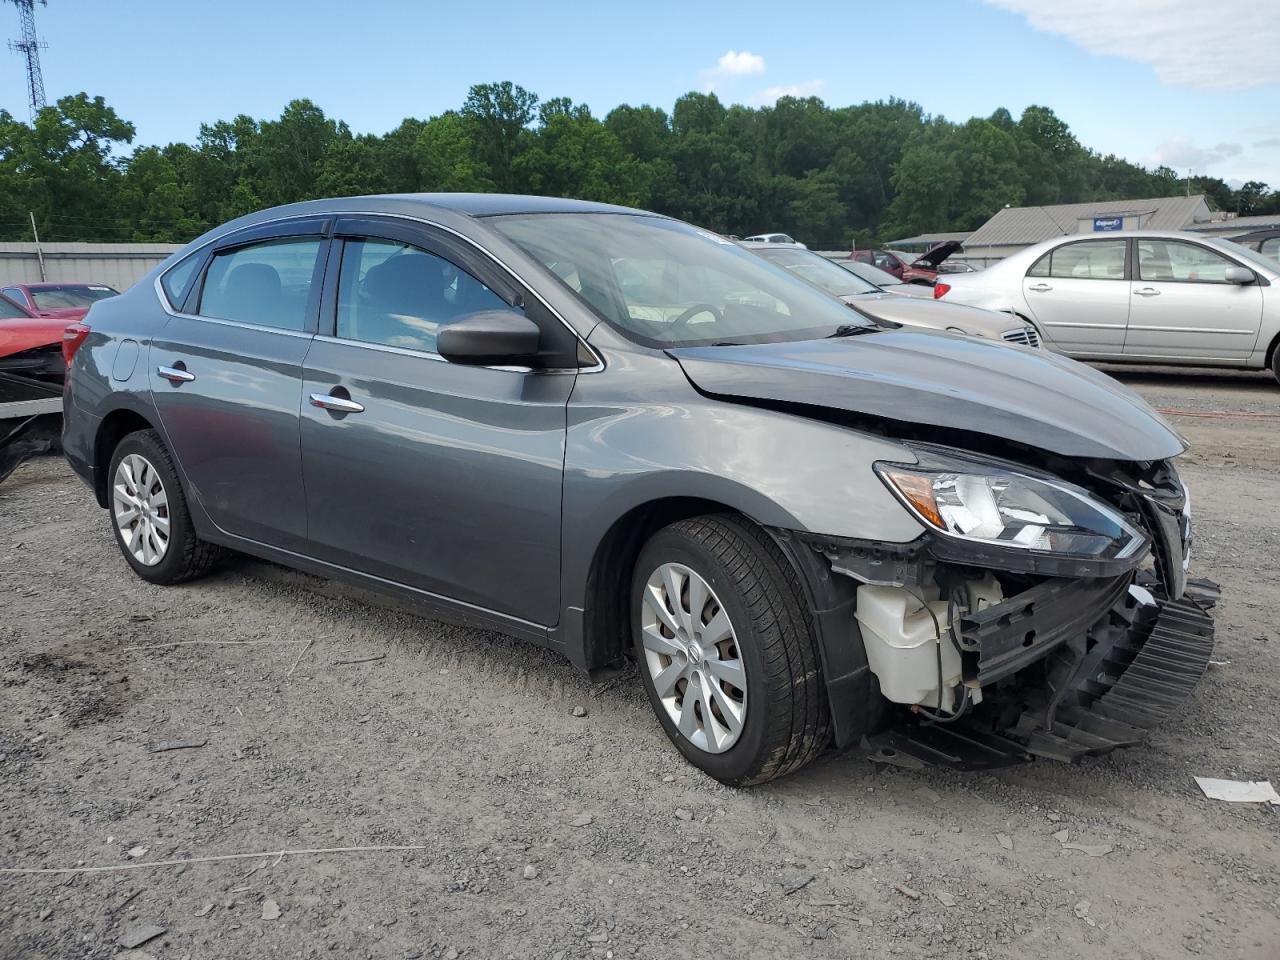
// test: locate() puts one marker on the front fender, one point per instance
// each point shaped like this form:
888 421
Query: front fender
638 432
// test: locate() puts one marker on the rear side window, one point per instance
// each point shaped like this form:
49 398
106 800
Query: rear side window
399 295
177 280
1091 260
262 283
1172 261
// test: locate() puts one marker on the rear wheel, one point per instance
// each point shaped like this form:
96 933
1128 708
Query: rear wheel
149 513
726 650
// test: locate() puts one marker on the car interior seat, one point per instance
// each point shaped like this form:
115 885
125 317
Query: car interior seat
252 293
401 302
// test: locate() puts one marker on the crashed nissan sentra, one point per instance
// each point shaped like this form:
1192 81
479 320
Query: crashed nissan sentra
623 437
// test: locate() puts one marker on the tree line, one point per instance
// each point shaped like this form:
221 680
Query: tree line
831 176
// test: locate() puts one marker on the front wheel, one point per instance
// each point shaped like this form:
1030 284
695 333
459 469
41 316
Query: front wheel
726 650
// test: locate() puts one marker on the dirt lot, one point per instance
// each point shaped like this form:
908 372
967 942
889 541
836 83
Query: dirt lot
541 834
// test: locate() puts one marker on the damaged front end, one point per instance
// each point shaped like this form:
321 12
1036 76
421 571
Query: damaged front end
1043 614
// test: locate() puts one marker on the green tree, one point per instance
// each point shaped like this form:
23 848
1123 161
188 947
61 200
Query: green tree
498 114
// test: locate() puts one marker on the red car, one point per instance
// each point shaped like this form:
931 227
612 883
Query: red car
909 269
30 345
65 301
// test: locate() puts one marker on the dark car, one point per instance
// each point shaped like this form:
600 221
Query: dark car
58 301
1266 242
907 267
621 436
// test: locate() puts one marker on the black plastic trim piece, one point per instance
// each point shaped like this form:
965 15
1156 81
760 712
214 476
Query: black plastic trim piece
1025 628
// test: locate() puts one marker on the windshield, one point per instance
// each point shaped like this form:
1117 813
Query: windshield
665 283
819 271
1244 253
881 278
70 297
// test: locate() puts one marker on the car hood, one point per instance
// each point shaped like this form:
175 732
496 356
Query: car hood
28 334
935 255
1028 396
918 312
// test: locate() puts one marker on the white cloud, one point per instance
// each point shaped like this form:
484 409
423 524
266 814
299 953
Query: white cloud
733 63
1183 154
1226 45
770 95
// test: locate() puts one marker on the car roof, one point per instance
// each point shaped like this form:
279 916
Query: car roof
45 284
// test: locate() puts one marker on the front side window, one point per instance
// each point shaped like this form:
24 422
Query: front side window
1172 260
664 283
266 283
399 295
1090 260
10 310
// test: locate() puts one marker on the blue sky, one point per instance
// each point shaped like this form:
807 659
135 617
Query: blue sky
1180 82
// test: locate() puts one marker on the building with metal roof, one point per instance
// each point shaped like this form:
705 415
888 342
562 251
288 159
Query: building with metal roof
924 241
118 265
1013 228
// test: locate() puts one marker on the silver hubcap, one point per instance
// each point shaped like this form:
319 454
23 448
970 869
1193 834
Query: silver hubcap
692 654
141 510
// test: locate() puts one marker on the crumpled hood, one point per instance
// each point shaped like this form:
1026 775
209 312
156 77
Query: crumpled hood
936 254
918 376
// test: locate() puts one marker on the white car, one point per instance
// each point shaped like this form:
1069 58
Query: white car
1138 296
774 238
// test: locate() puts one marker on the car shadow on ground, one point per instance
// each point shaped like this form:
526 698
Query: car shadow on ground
1201 377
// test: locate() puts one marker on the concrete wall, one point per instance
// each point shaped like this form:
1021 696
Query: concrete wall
118 265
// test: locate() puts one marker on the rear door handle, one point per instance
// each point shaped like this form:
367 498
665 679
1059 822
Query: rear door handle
1040 287
327 401
176 374
1146 292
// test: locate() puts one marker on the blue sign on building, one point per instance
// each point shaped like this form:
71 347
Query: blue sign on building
1107 223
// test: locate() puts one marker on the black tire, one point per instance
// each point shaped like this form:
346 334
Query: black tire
787 722
186 556
1275 361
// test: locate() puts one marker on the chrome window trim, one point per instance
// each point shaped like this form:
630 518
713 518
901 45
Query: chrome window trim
242 324
168 307
432 355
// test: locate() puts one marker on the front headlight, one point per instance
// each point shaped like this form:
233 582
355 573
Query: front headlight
987 504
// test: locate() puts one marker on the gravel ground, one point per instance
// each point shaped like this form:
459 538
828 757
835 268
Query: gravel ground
543 834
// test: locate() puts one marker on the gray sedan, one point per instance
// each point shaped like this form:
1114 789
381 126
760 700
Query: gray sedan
628 439
871 300
1139 296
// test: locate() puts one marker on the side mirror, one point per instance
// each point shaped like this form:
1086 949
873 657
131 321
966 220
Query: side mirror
490 338
1239 275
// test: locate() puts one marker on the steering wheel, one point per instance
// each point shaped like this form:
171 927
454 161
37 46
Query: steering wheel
693 311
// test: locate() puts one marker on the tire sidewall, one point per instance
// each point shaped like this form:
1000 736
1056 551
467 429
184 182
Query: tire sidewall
147 444
744 757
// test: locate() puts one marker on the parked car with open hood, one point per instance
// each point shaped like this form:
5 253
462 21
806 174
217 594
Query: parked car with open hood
1139 296
868 299
618 435
909 268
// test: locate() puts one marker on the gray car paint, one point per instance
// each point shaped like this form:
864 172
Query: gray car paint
636 430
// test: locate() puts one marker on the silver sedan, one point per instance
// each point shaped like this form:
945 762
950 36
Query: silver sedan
1138 296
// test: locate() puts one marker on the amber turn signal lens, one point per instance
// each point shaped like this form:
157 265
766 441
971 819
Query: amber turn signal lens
919 493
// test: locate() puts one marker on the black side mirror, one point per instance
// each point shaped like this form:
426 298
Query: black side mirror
490 338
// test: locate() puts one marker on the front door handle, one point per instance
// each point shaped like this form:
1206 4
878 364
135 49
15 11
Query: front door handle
327 401
1146 292
176 374
1040 287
